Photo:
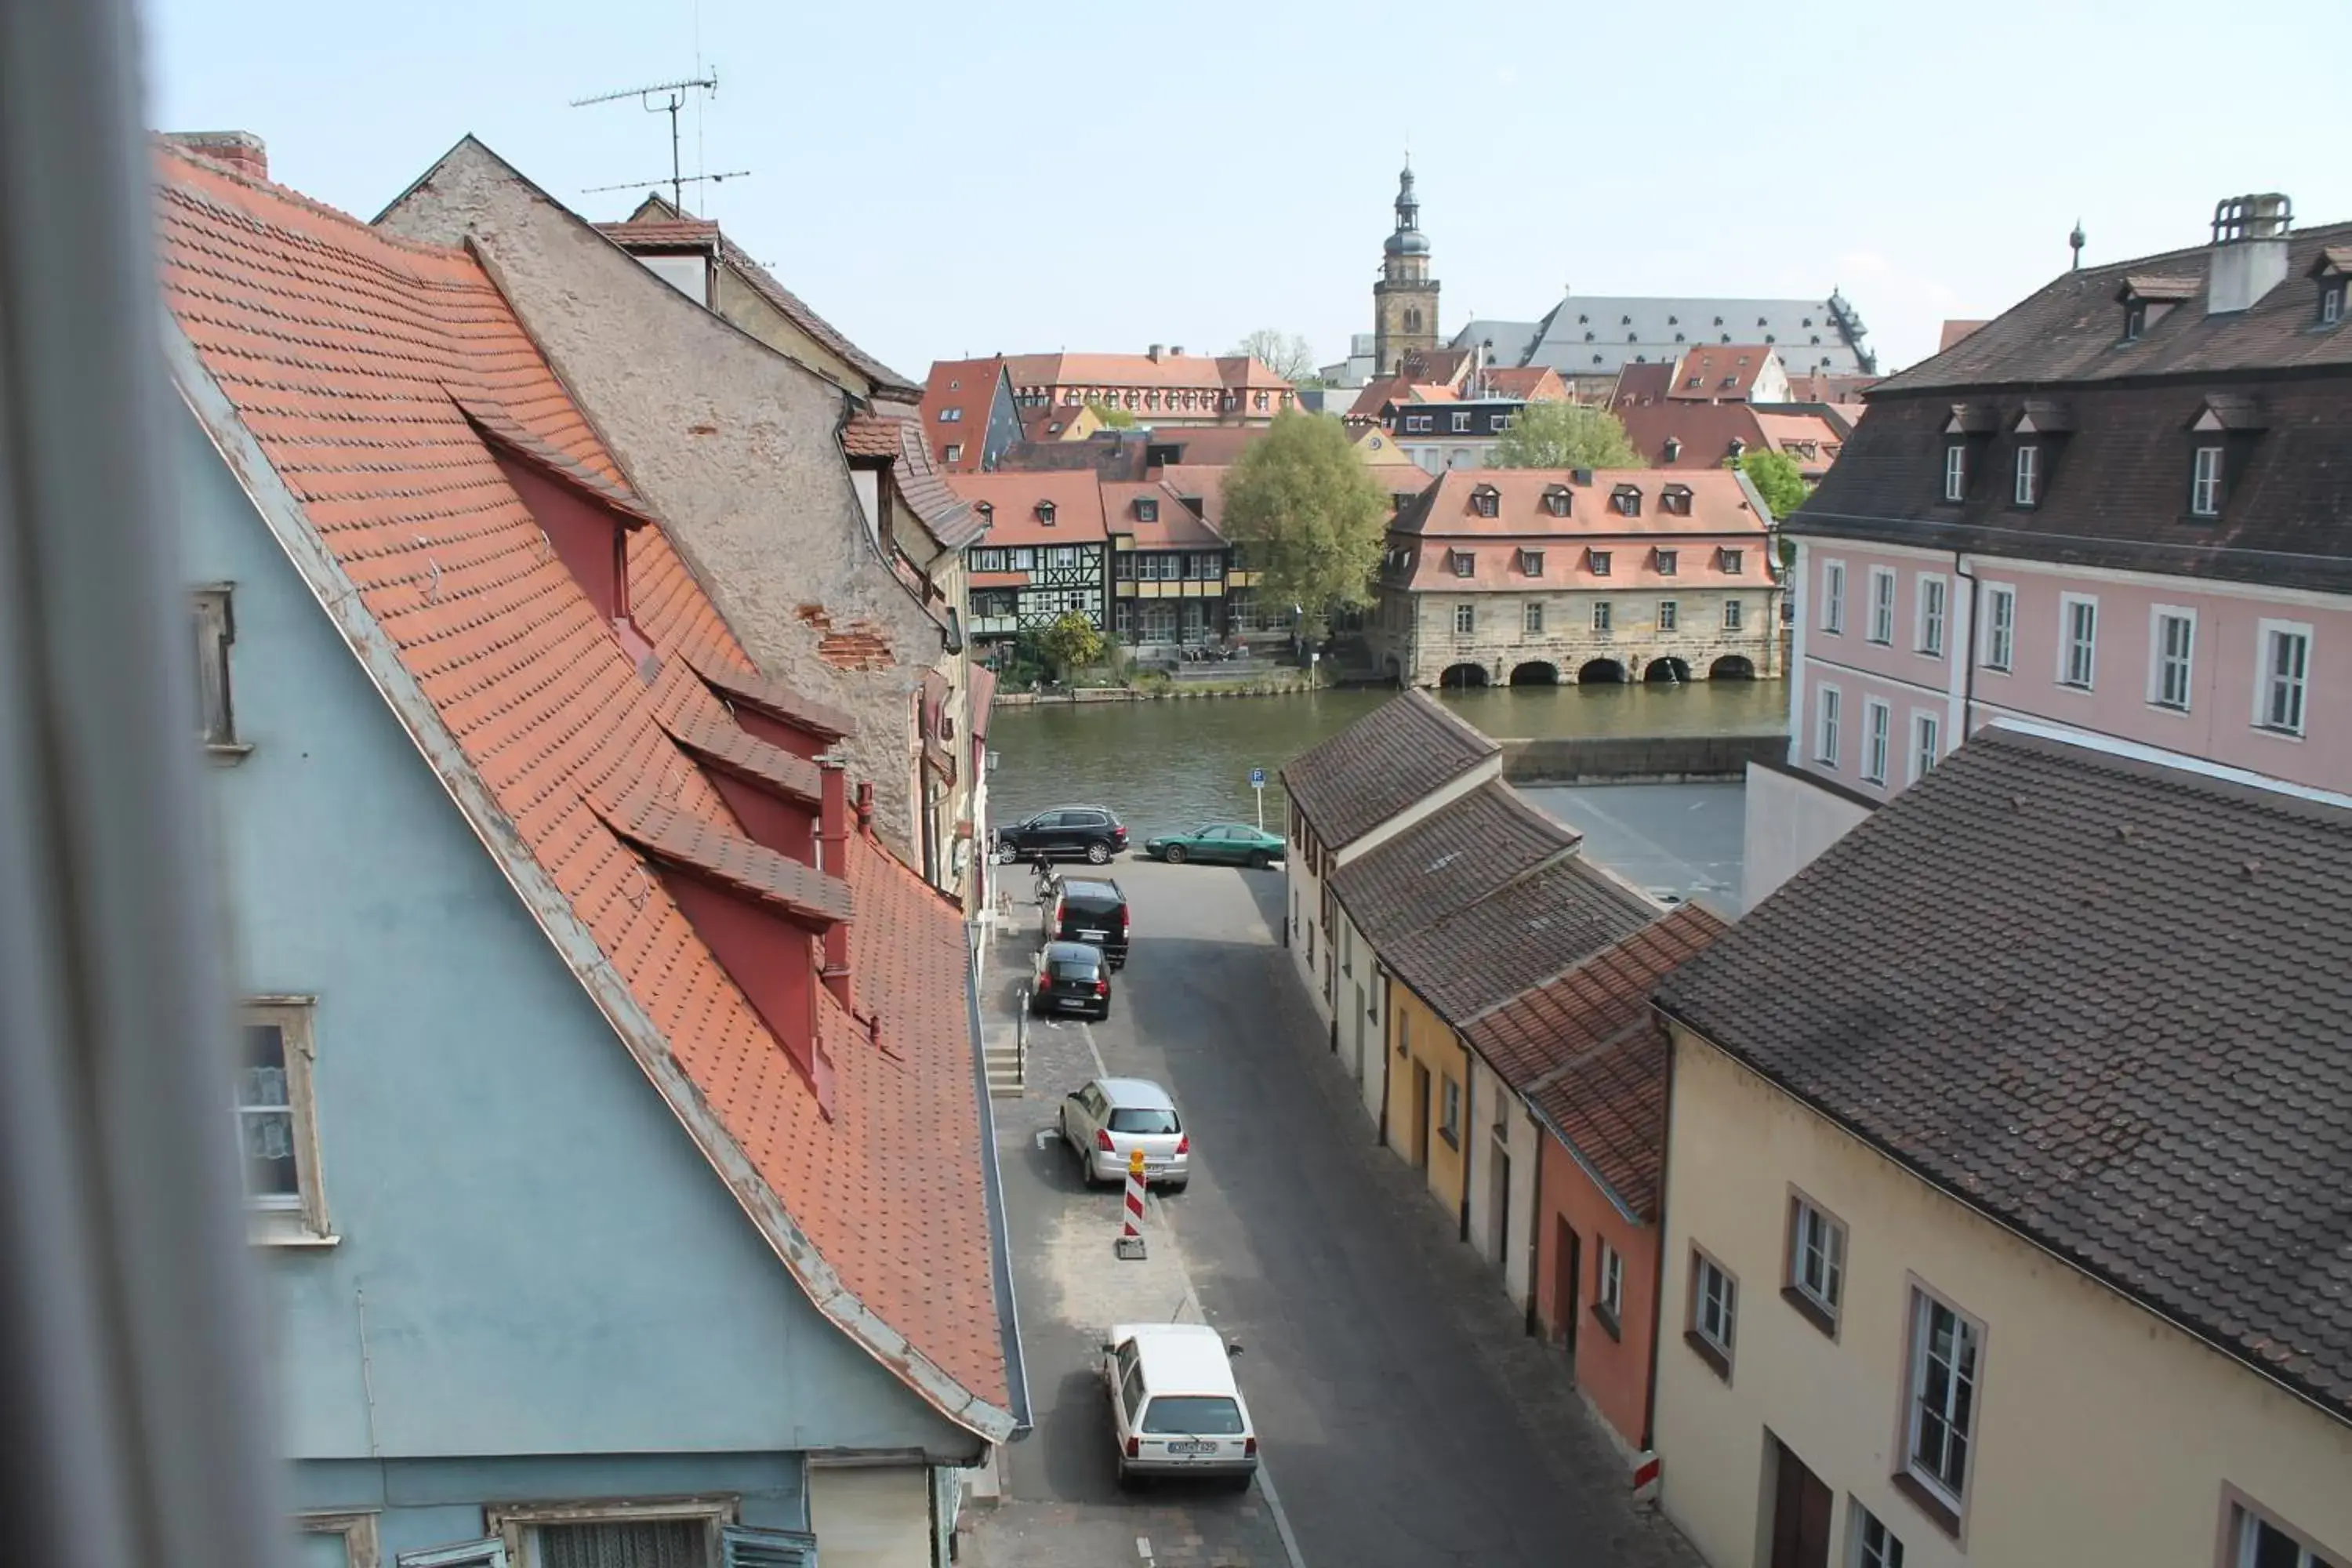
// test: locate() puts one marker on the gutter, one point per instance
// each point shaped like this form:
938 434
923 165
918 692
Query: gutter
1912 1168
1000 1230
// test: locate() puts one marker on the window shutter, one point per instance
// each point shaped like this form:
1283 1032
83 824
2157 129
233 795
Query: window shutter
741 1546
489 1554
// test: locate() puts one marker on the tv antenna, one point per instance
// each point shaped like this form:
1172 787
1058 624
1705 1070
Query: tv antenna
666 98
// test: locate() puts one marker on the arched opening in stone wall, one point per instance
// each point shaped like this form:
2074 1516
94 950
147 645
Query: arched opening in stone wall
1601 672
1731 666
1463 676
1666 672
1535 672
1393 670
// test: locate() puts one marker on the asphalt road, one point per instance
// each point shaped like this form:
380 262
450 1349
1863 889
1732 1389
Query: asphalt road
1405 1417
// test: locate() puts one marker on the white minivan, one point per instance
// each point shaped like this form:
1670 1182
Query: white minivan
1175 1407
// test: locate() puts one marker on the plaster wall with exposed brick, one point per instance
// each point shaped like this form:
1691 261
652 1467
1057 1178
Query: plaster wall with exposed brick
735 445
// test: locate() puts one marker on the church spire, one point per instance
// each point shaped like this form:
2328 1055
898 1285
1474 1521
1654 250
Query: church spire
1408 206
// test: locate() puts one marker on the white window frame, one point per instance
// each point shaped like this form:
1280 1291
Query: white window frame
2068 605
1531 620
2331 303
2160 664
1956 471
1888 1550
2028 490
1925 1304
1815 1233
1829 710
486 1554
298 1218
1931 611
1602 617
1465 620
1877 739
1882 606
2206 469
1926 741
1723 1305
1833 597
1669 616
2000 654
1735 614
1461 424
1608 1281
2247 1520
515 1524
216 633
2266 677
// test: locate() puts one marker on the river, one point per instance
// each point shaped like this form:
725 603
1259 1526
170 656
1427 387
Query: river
1173 764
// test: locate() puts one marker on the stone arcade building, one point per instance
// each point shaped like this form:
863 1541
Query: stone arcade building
1538 576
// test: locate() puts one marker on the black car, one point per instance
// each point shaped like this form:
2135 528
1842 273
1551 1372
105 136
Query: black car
1090 910
1093 831
1072 977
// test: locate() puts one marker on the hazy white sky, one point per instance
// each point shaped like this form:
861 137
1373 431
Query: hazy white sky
942 179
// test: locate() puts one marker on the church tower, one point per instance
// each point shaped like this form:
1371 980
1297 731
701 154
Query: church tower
1404 302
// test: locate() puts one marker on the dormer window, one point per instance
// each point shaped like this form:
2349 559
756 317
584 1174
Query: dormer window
2334 270
1955 468
1531 562
2148 299
1673 448
1627 500
1555 500
2028 488
2220 439
1485 501
2331 303
2205 482
1045 513
987 511
1464 562
1675 499
1147 509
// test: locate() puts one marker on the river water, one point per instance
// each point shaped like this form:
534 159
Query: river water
1173 764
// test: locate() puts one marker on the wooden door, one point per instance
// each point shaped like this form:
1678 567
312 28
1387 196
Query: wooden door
1568 1273
1801 1514
1419 1116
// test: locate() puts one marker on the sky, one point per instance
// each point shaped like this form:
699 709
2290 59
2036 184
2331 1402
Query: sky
943 179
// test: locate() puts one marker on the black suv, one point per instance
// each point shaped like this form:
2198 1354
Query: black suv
1092 910
1092 831
1070 974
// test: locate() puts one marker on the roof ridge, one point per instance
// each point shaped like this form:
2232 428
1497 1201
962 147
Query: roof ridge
291 197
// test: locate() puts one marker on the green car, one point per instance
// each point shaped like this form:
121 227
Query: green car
1220 843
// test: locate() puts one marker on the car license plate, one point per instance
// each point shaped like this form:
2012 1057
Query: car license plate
1192 1447
1069 1002
1092 935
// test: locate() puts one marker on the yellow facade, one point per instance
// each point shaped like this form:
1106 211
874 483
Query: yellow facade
1429 1080
2102 1434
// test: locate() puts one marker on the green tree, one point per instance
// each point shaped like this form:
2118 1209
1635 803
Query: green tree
1777 479
1565 435
1309 513
1286 354
1071 643
1112 418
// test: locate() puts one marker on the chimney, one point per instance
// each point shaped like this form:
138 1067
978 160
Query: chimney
866 808
832 859
1177 351
240 150
2249 251
1155 352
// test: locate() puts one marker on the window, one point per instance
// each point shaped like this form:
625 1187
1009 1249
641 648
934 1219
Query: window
1609 1282
1531 562
1731 561
1416 422
1668 562
1555 501
1874 1545
1714 1313
1598 560
1732 612
2286 671
1147 509
1531 620
1931 616
2256 1542
1833 597
2000 627
1926 737
2205 483
1449 1124
1046 512
1816 1262
1464 562
1465 619
274 1120
215 630
1485 501
2078 638
2173 637
1956 472
465 1554
1462 424
1877 719
954 452
1882 605
1945 1353
1627 500
2331 303
950 416
1668 613
1601 615
361 1547
2029 474
1826 704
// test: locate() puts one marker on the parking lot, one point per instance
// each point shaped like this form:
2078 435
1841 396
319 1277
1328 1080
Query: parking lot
1405 1417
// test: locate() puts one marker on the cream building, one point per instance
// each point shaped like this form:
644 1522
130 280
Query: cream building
1996 1231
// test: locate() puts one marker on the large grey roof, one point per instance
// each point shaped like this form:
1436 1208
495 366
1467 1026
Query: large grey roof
1381 763
2106 1001
1512 341
1593 333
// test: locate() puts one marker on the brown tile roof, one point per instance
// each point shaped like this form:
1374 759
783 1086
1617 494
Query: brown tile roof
868 435
729 748
1702 432
1204 445
1522 934
1719 373
1051 422
1014 499
1533 384
893 430
736 682
1176 529
1977 981
1640 382
1821 386
2070 328
1384 761
1458 854
1200 482
664 234
336 351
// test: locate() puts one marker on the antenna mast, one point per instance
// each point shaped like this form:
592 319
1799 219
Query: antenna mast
672 96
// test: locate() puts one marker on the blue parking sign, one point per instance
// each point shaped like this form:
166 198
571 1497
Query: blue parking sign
1258 778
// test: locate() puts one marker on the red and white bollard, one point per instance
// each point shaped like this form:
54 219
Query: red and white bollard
1130 1231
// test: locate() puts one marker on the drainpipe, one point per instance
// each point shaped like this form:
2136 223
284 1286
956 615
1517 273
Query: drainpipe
1469 1137
1388 1068
1535 1227
1969 654
1658 1267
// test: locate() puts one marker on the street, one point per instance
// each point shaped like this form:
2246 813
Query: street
1405 1417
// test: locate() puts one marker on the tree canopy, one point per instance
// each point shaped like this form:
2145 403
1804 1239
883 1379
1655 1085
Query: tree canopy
1777 479
1072 642
1551 435
1307 514
1288 356
1113 418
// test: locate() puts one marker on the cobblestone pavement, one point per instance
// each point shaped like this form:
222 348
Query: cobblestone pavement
1406 1417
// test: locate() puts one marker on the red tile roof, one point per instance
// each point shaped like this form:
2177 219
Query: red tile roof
736 681
1183 372
340 352
1014 498
969 387
1445 522
1533 384
1954 331
1176 528
655 233
1586 1052
1642 383
1720 372
1702 432
893 430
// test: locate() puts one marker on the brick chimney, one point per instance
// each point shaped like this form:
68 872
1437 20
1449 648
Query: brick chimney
239 150
832 859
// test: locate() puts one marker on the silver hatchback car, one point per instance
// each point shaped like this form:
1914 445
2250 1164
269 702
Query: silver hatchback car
1111 1117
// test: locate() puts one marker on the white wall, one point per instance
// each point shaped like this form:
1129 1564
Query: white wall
1787 821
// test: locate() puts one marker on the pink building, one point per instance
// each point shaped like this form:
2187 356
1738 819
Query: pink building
2118 508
